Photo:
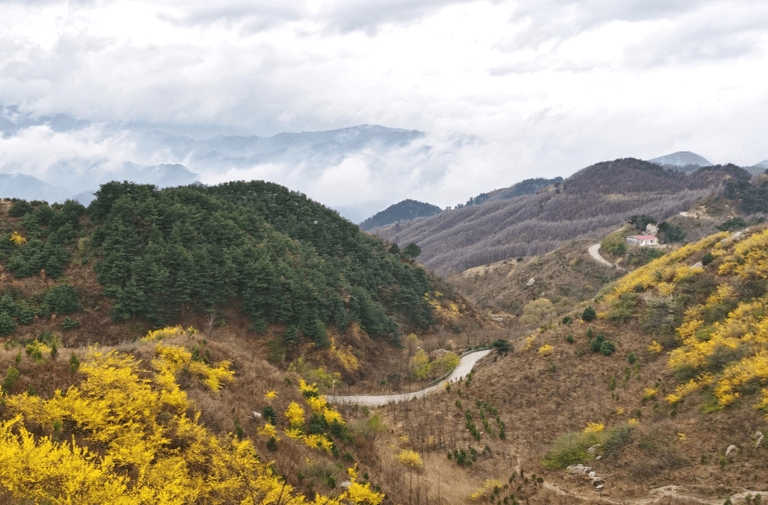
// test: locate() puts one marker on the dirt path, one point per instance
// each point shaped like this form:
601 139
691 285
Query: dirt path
594 251
466 363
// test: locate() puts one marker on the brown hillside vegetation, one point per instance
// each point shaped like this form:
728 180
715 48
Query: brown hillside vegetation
567 276
671 374
588 205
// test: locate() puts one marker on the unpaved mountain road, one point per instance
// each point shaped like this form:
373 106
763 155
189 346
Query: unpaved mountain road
466 363
594 251
580 495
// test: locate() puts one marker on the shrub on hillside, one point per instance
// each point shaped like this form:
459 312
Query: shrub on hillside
571 448
615 243
10 379
409 458
624 308
61 299
7 324
588 315
599 344
734 224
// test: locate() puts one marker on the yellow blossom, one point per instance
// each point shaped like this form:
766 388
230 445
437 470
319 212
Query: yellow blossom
650 393
594 428
409 458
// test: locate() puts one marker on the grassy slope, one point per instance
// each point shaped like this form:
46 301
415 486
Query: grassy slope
567 276
543 397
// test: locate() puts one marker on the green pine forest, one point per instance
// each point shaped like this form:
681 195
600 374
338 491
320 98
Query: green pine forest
277 255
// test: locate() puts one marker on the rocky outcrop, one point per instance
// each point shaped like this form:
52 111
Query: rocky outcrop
588 473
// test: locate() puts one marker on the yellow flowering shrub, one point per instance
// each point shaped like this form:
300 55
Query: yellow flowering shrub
345 356
295 414
664 269
316 403
689 387
268 431
17 239
529 342
545 350
649 393
319 406
665 288
724 340
408 457
174 358
594 428
360 493
488 486
444 309
143 457
168 332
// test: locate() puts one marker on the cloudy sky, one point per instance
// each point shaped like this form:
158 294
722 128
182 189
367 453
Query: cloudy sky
546 86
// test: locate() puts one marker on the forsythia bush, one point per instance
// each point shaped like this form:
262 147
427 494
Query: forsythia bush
662 270
545 350
488 485
319 406
17 239
594 428
409 458
725 339
144 449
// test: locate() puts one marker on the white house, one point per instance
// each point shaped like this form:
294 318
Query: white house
642 240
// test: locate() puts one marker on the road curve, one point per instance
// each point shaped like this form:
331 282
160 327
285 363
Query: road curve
462 370
594 251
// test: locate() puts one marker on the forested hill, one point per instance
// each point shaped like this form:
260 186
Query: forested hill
406 210
526 187
279 256
587 205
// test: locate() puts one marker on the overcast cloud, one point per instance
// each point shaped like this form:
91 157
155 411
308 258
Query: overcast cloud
546 87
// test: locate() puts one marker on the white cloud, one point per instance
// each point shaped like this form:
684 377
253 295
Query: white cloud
550 86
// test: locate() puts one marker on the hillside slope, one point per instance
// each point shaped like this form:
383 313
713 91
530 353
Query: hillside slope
216 412
651 393
407 210
252 251
586 206
567 276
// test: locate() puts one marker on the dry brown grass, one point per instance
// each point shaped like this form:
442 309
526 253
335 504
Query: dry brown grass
567 276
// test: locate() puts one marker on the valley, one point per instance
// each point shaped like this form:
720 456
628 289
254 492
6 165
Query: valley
262 349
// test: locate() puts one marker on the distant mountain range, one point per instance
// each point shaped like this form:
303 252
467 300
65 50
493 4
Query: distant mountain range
84 154
686 161
26 187
318 149
302 161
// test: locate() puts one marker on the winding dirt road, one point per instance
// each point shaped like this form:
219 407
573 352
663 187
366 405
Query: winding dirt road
594 251
466 363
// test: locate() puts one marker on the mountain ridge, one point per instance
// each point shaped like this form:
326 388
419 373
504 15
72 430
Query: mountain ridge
587 205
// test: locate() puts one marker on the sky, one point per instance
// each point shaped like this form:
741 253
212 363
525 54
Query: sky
542 87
